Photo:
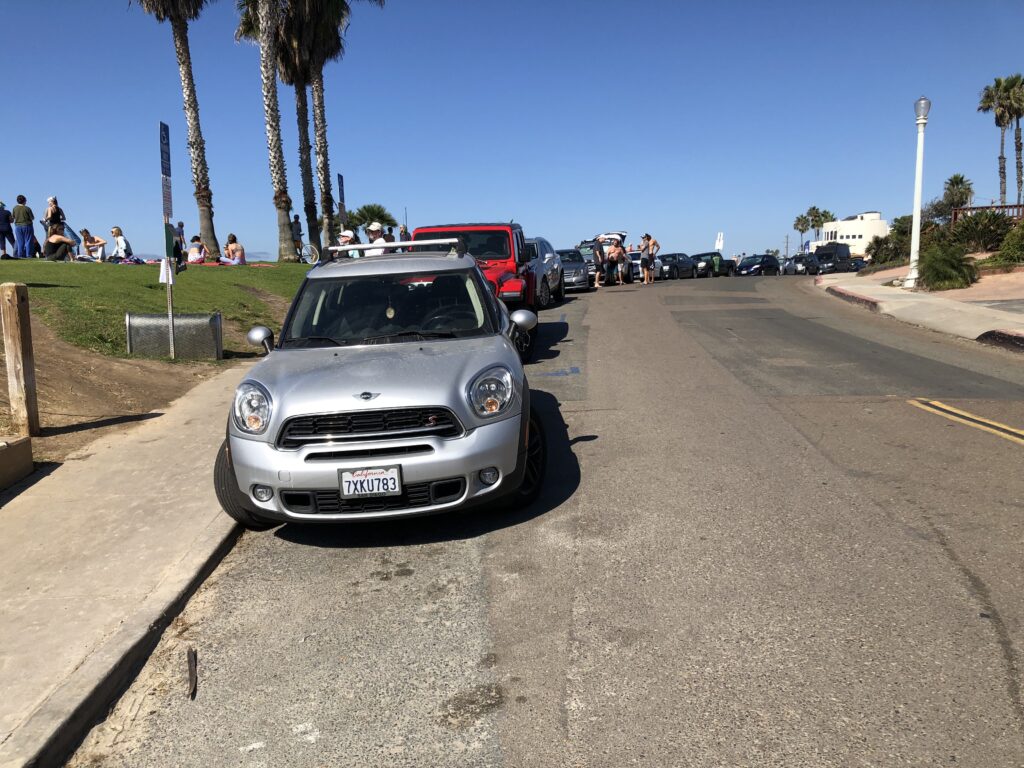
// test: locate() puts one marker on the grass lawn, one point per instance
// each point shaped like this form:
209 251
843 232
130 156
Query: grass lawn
85 303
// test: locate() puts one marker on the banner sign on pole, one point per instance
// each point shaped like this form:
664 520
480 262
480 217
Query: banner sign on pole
341 192
165 150
165 182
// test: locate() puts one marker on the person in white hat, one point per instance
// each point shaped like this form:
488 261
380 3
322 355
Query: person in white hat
374 234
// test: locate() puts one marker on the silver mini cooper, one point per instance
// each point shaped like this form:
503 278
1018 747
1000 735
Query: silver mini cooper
394 389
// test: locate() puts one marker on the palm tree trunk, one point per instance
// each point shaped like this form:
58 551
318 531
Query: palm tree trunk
1002 166
323 163
196 145
306 166
1019 146
268 16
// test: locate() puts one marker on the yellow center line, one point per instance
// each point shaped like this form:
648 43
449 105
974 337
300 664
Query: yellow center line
971 420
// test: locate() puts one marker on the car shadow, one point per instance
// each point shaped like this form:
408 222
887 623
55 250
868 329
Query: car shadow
548 337
561 481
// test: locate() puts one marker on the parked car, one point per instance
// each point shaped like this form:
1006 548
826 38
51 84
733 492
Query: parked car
801 264
677 265
706 264
553 273
570 254
833 257
857 264
579 273
395 389
758 264
637 274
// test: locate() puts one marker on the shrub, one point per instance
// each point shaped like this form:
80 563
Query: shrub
944 266
984 231
1012 249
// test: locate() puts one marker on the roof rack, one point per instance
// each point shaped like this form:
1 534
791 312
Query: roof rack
397 244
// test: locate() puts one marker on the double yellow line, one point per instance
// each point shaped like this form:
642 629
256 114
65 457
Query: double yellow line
970 419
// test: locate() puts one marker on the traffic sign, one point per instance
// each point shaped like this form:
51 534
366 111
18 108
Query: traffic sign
165 150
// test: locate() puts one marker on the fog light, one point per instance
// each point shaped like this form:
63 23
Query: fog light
489 476
262 492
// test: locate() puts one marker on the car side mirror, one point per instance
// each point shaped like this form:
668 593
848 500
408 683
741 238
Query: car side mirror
261 336
524 319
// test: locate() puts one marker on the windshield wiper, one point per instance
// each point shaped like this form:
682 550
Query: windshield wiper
336 342
411 334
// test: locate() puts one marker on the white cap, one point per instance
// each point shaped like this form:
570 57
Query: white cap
50 199
348 233
375 226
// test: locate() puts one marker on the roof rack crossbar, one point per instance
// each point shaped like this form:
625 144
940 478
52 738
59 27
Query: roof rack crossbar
398 244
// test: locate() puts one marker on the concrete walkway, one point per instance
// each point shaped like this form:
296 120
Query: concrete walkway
95 559
966 319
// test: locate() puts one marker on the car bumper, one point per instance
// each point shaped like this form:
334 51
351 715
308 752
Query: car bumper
578 282
444 478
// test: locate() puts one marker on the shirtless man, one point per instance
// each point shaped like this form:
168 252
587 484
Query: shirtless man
649 248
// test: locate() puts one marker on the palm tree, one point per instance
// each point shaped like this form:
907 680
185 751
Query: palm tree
330 21
814 216
1015 109
958 191
268 15
801 224
994 99
366 214
180 13
827 216
295 28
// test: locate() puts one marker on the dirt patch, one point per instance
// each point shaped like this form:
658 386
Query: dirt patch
234 333
84 395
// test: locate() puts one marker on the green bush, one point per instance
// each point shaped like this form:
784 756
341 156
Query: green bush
944 266
1012 249
984 231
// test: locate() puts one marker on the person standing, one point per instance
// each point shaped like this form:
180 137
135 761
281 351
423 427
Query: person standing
389 236
617 262
297 233
374 233
6 230
179 233
599 259
645 259
22 217
653 246
54 214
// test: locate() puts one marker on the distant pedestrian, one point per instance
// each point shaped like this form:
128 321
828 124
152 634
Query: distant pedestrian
234 255
617 260
649 248
389 236
599 260
196 253
374 233
57 247
122 248
6 230
22 217
179 234
95 246
403 234
297 233
54 214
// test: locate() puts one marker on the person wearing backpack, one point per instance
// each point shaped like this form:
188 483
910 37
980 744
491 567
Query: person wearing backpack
122 248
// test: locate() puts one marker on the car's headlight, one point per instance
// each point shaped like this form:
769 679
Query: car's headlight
492 391
252 409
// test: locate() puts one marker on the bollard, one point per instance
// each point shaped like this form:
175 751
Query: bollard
21 367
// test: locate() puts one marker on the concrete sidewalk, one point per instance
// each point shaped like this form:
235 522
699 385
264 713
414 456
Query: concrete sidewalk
959 318
95 560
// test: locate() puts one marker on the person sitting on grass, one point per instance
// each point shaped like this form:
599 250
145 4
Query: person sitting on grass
94 247
57 247
197 253
234 253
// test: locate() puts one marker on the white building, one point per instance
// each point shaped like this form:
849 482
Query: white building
855 231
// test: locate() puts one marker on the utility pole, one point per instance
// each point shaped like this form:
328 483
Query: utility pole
787 246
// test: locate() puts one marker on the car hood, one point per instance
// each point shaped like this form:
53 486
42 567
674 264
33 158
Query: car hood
403 375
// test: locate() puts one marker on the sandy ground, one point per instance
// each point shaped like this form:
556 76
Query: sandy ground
997 287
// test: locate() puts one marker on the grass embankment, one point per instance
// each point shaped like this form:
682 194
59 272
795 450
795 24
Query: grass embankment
85 304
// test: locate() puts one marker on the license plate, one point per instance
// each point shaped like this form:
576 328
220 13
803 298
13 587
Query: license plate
370 482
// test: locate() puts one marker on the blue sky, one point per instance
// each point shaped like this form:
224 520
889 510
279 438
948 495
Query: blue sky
570 117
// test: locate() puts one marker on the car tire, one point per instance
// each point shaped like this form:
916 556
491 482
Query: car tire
543 295
525 344
231 499
673 274
693 273
536 464
560 293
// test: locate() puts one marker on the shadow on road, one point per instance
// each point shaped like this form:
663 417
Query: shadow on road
548 336
108 421
563 478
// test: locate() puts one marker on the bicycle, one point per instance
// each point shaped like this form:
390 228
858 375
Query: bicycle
308 254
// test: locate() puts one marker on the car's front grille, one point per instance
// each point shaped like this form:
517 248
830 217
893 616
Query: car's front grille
414 495
391 424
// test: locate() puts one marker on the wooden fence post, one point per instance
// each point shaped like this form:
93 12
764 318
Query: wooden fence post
21 366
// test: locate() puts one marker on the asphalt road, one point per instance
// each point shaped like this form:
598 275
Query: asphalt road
752 551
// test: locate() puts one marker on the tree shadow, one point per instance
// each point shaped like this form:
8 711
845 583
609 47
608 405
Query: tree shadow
109 421
561 482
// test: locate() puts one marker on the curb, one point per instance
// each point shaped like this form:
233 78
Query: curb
853 298
1012 340
59 727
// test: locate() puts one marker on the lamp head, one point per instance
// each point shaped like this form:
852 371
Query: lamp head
921 108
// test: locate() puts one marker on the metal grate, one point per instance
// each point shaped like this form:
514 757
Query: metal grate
390 424
196 337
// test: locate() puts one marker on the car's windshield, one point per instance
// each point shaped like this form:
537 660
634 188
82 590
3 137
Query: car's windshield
668 258
382 309
486 245
750 261
570 257
702 257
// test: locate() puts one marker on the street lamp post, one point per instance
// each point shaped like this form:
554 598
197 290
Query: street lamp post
921 108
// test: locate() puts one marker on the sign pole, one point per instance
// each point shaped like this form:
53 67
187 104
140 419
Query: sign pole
167 268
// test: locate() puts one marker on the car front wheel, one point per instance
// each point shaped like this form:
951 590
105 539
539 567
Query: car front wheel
543 295
231 499
536 463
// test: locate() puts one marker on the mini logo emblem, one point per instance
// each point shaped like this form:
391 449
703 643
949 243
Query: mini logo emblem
367 395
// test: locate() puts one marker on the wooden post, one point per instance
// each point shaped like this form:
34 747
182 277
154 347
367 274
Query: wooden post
21 366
